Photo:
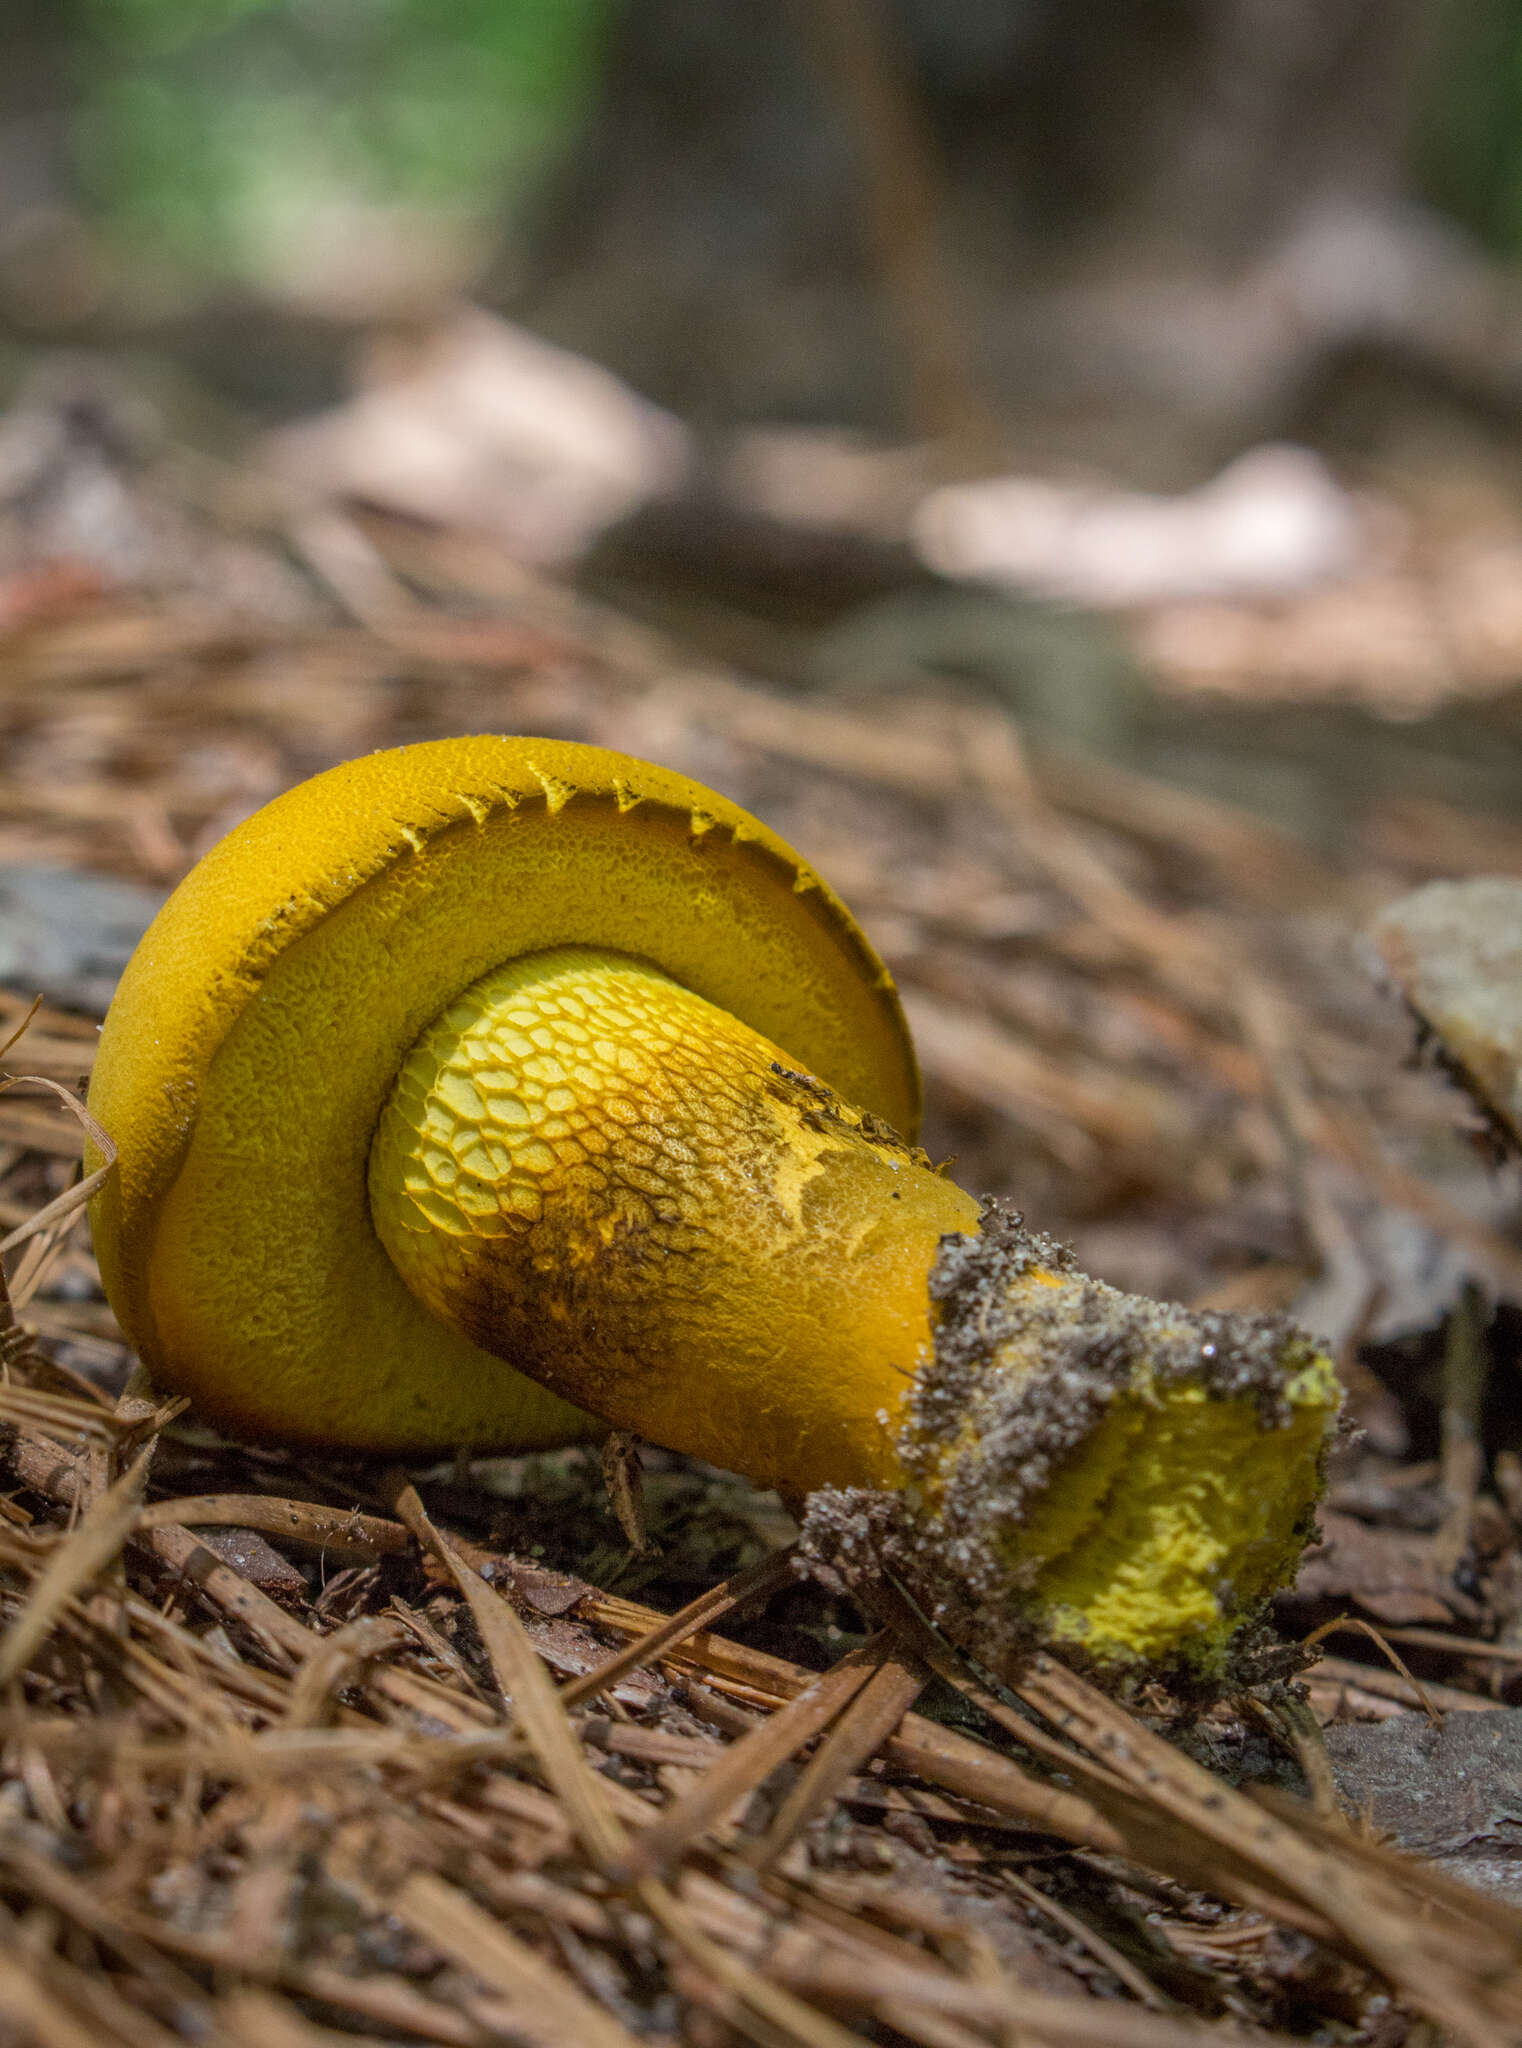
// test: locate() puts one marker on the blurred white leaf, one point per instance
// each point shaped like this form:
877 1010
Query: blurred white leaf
488 427
1274 521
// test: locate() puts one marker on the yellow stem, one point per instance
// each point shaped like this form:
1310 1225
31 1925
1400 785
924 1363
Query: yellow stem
634 1198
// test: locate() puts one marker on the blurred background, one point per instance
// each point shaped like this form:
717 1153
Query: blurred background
731 204
1156 308
897 215
1061 464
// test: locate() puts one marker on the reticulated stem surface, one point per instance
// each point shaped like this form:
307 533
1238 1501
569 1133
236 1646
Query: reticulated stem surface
633 1197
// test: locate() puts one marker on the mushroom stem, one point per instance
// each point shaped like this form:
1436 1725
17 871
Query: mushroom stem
640 1202
632 1195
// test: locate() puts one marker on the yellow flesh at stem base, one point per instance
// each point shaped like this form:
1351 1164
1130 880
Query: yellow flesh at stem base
1124 1476
1196 1513
632 1195
1173 1520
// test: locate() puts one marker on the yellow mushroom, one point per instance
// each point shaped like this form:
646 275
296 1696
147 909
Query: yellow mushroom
488 1092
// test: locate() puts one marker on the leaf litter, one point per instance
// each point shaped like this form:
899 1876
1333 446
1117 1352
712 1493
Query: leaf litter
296 1750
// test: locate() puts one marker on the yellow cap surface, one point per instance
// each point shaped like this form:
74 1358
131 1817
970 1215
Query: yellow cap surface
259 1026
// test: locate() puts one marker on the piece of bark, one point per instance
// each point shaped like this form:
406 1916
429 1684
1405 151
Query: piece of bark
1389 1573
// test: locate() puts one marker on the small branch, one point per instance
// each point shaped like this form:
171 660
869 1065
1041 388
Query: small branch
1466 1369
902 191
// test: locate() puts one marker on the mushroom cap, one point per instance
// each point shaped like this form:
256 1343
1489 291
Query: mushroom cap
258 1028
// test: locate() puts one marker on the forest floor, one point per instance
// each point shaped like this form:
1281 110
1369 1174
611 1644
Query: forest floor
258 1780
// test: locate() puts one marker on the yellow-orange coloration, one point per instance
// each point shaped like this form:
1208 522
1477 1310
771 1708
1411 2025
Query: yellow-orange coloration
260 1024
1150 1508
1180 1515
494 1054
627 1192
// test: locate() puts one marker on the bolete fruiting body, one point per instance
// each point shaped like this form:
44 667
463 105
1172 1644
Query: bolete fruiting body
490 1091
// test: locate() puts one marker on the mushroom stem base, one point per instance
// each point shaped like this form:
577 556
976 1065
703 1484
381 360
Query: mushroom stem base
1122 1480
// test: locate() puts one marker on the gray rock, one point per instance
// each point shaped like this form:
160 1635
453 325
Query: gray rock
1452 1792
67 936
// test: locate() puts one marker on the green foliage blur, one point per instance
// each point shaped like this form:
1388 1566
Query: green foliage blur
210 131
1467 149
207 125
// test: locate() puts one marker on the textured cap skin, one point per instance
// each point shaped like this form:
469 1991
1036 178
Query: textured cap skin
257 1030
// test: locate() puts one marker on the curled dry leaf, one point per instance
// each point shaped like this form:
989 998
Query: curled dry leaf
1454 950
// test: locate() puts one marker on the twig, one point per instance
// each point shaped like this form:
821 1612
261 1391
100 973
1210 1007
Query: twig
1466 1371
856 1738
751 1761
902 189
